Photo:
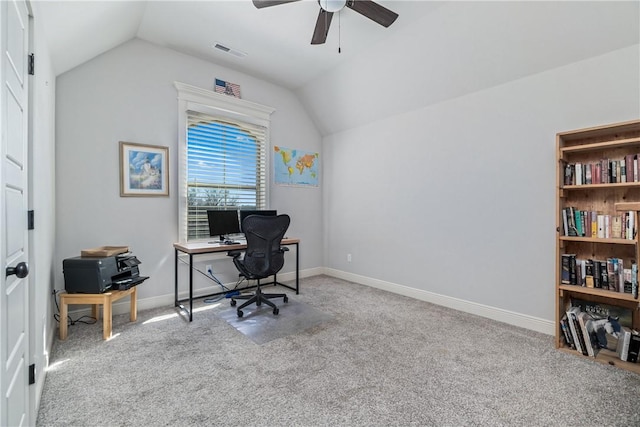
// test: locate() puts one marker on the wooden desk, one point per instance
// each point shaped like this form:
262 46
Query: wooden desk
200 248
105 299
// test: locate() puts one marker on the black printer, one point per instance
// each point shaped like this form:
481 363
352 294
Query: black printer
95 275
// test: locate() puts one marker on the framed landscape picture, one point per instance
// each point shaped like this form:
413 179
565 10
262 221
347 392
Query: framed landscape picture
144 170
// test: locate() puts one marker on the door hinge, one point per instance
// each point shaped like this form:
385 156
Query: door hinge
30 222
32 374
32 64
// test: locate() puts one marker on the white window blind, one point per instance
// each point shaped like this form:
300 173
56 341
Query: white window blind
226 168
223 154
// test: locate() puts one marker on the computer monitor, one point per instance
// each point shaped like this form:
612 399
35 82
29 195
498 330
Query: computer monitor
223 223
244 214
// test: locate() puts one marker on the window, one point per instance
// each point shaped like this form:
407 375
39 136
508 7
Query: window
223 157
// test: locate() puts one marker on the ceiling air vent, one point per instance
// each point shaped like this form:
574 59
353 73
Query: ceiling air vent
229 50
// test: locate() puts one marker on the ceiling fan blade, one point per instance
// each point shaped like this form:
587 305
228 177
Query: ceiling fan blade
268 3
322 27
373 11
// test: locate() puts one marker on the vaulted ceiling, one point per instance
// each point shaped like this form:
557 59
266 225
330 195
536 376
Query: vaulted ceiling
433 52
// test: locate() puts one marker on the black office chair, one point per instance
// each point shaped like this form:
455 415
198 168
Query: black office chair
263 257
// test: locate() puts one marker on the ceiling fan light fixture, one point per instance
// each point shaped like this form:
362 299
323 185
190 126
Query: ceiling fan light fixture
332 5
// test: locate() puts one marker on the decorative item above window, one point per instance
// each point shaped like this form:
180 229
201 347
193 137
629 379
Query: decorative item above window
144 170
227 88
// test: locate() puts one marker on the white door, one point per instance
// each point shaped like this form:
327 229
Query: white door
14 295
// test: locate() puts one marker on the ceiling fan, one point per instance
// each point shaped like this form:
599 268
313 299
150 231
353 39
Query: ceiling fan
368 8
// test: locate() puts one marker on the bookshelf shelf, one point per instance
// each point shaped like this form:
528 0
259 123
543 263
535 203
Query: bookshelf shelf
602 145
610 295
616 241
597 243
607 357
592 186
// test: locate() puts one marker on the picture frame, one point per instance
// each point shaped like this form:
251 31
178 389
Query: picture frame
144 170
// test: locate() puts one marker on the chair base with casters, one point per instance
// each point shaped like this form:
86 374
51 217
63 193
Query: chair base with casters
258 298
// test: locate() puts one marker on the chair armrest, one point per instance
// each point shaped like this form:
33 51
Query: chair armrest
234 254
284 249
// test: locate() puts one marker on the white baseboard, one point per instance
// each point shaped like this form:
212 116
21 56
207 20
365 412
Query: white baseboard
506 316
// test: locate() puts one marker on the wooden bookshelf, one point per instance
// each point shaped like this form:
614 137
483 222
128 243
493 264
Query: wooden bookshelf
598 199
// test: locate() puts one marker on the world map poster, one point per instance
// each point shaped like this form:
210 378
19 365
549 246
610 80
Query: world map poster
295 167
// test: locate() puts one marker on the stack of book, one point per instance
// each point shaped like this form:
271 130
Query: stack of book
604 171
609 274
587 223
588 333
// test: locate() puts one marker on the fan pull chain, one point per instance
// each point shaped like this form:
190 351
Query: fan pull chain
339 33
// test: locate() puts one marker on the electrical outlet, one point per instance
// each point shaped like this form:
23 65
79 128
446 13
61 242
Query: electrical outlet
348 257
208 268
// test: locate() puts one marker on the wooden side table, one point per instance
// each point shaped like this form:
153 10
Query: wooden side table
105 299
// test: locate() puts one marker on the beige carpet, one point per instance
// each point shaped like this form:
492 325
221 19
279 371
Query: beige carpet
379 360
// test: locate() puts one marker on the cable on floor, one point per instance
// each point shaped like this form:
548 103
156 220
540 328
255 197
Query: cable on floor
91 320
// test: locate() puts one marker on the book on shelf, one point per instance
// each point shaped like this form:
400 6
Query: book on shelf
566 268
612 171
628 159
586 223
587 174
623 170
627 286
586 327
600 222
605 170
634 279
576 332
588 273
580 272
566 332
634 347
597 274
578 222
616 227
602 311
624 338
569 170
573 270
604 275
613 274
631 225
570 229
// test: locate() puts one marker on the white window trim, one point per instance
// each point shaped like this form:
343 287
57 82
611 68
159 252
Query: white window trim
209 102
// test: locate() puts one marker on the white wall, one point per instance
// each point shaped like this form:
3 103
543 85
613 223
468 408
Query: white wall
42 202
457 200
127 94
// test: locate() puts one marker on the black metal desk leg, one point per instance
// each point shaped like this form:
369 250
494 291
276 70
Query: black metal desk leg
175 296
297 268
190 287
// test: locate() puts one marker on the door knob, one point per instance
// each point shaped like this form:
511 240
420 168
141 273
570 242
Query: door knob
21 270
